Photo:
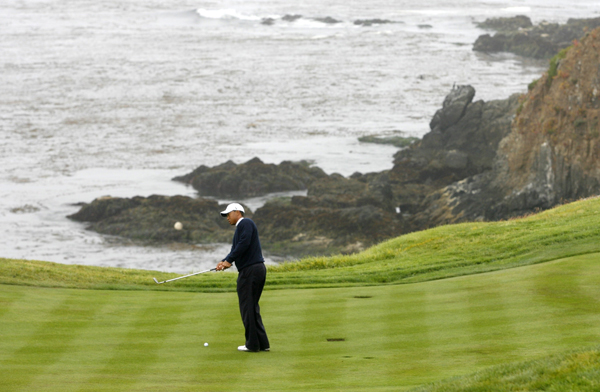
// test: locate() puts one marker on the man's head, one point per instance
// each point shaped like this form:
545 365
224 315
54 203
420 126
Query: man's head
234 212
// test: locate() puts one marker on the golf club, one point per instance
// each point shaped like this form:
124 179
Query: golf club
185 276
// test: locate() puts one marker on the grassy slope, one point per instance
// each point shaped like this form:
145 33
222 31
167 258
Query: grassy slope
573 371
438 253
396 336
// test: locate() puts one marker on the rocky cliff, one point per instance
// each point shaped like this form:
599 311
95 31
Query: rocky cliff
551 155
463 141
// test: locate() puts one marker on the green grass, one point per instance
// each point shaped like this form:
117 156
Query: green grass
554 62
446 251
574 371
396 337
471 307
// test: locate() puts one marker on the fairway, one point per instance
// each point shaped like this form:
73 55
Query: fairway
392 337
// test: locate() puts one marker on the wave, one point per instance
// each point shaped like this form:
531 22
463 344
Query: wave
226 14
288 19
523 10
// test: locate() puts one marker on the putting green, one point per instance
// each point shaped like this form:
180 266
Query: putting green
384 338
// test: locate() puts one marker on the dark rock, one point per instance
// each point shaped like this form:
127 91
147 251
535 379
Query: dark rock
338 215
488 44
291 18
151 219
522 44
506 24
456 160
268 21
301 229
371 22
463 141
453 108
253 178
104 207
540 42
328 20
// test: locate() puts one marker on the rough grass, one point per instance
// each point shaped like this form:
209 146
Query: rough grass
577 371
377 338
446 251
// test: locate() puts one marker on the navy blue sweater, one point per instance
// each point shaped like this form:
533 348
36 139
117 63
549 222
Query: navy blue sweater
246 249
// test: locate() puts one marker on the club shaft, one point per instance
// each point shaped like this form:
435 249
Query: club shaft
187 276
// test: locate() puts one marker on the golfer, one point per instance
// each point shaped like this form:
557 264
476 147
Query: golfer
247 256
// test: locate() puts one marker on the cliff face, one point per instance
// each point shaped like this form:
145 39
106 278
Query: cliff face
552 153
463 141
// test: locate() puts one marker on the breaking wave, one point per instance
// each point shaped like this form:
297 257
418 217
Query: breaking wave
288 19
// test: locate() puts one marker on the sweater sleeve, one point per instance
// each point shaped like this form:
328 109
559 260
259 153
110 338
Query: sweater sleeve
243 242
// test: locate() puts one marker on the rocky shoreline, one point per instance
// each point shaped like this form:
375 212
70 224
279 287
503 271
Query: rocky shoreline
518 35
480 161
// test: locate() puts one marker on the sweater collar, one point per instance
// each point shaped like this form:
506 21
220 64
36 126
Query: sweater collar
238 222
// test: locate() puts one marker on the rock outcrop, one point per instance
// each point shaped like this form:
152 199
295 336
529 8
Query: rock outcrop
253 178
517 35
338 215
551 155
462 142
151 219
506 24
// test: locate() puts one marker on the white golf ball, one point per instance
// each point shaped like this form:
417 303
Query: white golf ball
205 344
178 226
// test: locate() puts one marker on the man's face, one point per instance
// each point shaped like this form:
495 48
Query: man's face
233 217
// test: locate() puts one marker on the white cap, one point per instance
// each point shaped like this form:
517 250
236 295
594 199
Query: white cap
232 207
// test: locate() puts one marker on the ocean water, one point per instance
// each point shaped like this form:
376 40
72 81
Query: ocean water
117 97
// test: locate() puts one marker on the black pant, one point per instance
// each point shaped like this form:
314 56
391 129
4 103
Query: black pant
250 283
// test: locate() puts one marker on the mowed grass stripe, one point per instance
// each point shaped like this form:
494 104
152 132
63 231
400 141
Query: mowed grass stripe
208 318
87 351
8 299
51 340
492 322
563 289
408 316
402 336
138 342
324 331
22 317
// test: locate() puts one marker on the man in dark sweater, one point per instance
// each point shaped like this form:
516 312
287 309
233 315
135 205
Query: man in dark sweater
247 256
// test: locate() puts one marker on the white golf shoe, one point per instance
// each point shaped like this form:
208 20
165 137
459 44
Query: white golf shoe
246 349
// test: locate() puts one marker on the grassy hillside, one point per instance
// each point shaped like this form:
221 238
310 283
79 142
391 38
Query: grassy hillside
438 253
371 338
491 306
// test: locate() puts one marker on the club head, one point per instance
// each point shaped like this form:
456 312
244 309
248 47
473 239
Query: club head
156 280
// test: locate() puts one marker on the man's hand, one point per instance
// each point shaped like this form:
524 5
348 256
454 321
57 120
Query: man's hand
223 265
